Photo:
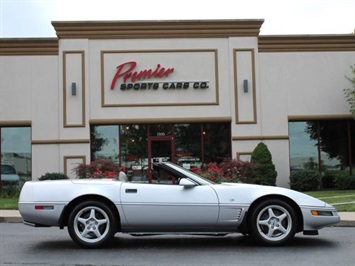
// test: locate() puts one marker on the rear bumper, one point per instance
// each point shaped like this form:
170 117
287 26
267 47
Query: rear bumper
40 217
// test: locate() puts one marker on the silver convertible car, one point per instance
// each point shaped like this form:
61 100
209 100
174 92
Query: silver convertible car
178 202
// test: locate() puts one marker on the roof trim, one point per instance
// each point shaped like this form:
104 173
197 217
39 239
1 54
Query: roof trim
295 118
306 43
175 120
29 46
156 29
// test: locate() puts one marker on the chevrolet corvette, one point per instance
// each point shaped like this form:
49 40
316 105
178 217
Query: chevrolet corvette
176 202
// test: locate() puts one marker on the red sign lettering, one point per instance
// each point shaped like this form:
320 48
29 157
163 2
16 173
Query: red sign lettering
125 71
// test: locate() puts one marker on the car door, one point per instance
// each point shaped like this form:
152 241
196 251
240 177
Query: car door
160 206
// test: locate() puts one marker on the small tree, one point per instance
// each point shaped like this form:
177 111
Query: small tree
350 92
265 173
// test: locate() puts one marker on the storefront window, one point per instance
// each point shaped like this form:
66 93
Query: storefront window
123 144
216 141
105 143
189 145
16 150
334 145
303 148
321 145
133 146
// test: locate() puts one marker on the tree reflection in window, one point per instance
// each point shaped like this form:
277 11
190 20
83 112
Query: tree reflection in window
328 142
332 142
216 138
104 143
134 145
188 144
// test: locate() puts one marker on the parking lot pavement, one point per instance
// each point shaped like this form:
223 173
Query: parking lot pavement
13 216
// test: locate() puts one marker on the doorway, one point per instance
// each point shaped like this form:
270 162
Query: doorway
160 149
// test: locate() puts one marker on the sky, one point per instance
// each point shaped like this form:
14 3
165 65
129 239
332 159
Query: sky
32 18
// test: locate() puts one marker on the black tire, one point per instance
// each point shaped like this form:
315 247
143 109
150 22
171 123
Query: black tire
273 223
91 224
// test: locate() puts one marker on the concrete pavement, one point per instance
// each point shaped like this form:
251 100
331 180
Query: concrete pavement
13 216
10 216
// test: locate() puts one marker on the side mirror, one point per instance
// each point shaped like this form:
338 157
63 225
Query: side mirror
186 183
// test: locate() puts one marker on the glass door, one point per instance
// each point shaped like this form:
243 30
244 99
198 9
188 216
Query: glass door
160 149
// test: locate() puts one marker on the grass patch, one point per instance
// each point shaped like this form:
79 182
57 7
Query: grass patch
9 203
330 193
343 200
346 208
9 197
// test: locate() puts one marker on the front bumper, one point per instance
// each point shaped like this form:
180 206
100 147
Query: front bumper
315 218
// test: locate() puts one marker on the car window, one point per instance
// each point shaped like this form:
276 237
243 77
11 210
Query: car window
7 170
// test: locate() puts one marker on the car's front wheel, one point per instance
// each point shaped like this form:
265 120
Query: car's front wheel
91 224
273 222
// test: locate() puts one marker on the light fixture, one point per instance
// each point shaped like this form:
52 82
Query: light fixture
245 85
73 88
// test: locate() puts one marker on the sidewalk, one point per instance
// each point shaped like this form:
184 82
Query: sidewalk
13 216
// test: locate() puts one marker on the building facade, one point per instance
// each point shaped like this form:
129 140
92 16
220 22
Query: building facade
188 91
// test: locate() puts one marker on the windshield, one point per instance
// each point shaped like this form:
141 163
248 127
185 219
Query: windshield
199 179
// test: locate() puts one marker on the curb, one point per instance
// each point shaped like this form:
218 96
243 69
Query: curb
11 220
345 224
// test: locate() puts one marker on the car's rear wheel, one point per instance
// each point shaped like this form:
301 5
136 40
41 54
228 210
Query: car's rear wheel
273 222
91 224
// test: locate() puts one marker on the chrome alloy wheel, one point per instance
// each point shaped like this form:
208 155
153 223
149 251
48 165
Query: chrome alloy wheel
91 224
274 223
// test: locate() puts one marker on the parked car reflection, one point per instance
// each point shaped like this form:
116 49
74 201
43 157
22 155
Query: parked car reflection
9 175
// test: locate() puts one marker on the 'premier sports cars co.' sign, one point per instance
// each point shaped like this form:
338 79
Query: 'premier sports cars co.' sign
176 78
136 79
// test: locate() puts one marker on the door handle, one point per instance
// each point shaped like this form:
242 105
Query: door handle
131 190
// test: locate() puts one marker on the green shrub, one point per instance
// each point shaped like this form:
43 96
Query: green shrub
53 176
305 180
329 177
10 191
345 181
328 180
264 173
